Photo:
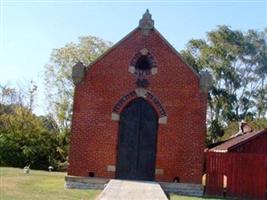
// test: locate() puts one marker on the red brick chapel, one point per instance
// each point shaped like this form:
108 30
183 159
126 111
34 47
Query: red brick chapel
139 112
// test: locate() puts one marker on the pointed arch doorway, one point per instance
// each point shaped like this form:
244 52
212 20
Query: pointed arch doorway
137 144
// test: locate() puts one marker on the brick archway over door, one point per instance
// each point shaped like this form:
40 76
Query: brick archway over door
143 93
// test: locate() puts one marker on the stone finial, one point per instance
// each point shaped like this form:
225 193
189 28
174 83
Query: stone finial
78 72
206 81
146 23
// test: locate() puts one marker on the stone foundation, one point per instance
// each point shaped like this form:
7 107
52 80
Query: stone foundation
182 188
78 182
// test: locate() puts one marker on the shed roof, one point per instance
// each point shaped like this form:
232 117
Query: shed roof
237 141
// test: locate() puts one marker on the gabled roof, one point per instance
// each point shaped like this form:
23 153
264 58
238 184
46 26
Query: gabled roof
152 28
113 47
237 141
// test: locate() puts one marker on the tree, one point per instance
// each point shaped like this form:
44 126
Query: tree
25 138
233 127
57 77
238 63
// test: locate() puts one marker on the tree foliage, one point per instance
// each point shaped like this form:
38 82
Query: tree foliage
238 62
233 127
26 139
58 80
41 141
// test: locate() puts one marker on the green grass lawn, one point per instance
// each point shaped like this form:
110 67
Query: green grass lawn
15 185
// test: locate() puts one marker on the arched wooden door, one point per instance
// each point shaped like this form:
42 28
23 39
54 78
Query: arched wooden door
137 141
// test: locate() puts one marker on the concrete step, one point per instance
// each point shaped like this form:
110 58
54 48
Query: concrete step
132 190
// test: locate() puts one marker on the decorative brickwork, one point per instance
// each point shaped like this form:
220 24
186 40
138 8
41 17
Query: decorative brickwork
139 92
123 100
157 104
174 92
141 73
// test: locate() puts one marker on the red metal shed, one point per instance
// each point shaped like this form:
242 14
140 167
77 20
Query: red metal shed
237 167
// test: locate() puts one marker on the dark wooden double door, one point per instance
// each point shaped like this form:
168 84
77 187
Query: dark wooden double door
137 141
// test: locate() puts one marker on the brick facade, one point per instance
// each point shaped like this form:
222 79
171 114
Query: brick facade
176 88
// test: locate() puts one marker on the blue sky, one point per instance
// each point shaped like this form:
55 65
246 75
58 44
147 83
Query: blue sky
29 30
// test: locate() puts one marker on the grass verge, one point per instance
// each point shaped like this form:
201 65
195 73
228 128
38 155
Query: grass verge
42 185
